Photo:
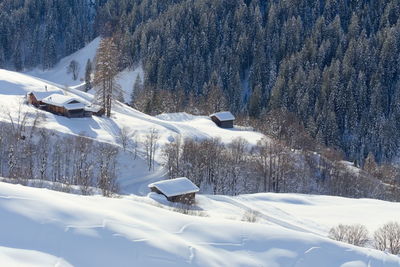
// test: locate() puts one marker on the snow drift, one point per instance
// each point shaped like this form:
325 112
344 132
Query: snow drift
50 227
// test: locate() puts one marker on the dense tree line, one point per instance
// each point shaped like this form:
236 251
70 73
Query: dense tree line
270 166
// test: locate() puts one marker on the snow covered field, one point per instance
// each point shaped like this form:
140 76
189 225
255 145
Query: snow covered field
40 227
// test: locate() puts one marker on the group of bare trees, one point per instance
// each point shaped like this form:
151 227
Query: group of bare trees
270 166
31 153
230 169
356 234
386 238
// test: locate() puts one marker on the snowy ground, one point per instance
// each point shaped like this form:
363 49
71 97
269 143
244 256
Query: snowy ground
46 228
59 74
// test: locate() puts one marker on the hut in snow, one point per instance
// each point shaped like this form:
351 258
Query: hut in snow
223 119
64 105
35 98
176 190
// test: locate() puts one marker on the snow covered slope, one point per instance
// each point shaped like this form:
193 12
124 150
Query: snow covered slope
56 229
14 86
58 74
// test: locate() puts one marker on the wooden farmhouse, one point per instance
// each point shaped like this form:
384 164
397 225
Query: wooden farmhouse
176 190
35 98
223 119
60 104
64 105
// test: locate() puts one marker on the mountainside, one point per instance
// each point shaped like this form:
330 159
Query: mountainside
57 229
334 64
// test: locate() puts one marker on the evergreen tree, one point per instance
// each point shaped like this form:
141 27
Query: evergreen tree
88 75
255 102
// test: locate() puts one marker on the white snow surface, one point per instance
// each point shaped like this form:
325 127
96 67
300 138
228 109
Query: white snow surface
59 75
175 187
126 79
40 227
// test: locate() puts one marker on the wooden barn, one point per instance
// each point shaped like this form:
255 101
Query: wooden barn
64 105
223 119
176 190
35 98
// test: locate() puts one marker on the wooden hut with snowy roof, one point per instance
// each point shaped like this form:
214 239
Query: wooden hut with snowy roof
223 119
176 190
64 105
35 98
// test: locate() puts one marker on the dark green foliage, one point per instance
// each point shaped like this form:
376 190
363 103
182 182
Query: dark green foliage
38 32
88 75
334 64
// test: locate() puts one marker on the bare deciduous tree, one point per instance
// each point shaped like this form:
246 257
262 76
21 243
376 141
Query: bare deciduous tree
339 233
356 234
73 68
388 238
125 136
150 144
172 155
106 160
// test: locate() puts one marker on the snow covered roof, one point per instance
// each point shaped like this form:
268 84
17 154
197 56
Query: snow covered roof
93 108
67 102
223 116
41 95
175 187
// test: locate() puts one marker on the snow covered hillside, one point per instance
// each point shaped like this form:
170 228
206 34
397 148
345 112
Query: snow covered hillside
14 86
58 74
39 227
133 177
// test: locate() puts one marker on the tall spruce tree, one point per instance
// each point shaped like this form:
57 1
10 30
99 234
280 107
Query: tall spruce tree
106 73
88 75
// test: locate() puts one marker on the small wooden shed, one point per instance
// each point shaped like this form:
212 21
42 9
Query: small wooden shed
176 190
223 119
64 105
